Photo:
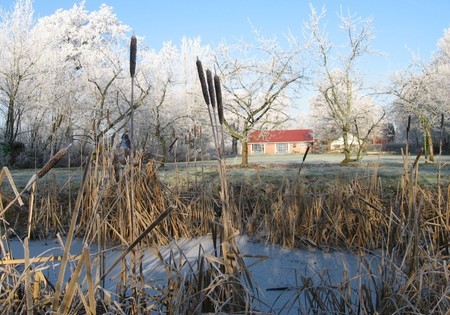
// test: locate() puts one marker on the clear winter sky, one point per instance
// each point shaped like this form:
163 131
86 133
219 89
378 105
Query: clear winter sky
400 26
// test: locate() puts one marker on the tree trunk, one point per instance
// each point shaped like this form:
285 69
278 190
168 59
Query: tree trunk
244 153
10 134
427 140
425 144
347 149
162 142
163 149
10 121
234 145
429 143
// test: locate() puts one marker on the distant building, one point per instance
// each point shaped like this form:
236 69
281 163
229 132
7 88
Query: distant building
280 141
338 144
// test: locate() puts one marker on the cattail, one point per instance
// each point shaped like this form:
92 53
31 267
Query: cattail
304 158
201 76
219 98
441 137
306 153
408 127
133 51
52 162
195 131
46 168
417 158
209 80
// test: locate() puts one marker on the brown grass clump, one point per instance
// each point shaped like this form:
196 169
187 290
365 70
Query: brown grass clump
345 215
107 203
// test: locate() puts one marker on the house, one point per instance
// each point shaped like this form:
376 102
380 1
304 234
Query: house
279 141
338 144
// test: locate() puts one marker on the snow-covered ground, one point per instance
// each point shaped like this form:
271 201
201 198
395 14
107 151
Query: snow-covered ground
276 271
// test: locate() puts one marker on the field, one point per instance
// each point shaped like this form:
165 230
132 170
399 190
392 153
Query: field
320 168
387 215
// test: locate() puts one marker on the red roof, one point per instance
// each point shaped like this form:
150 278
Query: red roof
296 135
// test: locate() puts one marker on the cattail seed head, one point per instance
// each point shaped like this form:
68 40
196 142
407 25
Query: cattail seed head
408 127
219 98
133 52
209 80
442 121
52 162
306 153
201 76
417 158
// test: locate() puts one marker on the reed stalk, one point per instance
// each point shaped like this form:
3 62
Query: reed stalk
130 190
228 246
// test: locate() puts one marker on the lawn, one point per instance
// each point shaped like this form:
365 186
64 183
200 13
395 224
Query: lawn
266 168
317 168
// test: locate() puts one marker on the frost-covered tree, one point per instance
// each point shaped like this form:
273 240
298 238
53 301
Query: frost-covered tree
18 58
86 50
361 120
442 56
340 86
441 63
421 91
260 80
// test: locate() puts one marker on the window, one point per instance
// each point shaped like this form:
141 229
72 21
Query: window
282 148
257 148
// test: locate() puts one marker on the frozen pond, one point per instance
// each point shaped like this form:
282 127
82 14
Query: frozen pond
277 273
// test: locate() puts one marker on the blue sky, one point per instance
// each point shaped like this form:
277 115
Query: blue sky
417 24
399 24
